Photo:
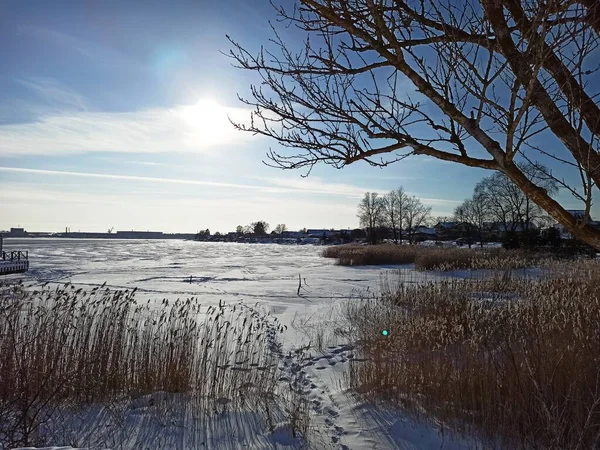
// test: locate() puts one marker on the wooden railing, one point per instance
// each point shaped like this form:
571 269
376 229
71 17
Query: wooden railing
15 256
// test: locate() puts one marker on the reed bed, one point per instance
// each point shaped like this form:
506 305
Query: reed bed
67 347
363 255
433 258
514 361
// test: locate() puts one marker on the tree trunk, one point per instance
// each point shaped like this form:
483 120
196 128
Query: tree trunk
540 197
373 236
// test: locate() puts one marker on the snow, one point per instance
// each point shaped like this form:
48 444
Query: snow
474 245
267 274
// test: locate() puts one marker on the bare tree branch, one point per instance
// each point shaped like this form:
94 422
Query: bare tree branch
483 83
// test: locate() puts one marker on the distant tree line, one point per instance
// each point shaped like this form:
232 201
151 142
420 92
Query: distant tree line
496 210
497 201
258 228
394 212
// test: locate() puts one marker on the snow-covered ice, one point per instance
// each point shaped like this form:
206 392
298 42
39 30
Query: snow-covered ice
265 273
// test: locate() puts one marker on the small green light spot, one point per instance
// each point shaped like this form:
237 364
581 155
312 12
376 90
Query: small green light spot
385 332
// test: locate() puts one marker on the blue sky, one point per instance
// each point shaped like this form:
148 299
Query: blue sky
114 114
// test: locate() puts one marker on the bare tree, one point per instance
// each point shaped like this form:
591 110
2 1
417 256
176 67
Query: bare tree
508 205
473 213
504 200
462 214
533 213
415 215
371 214
484 83
440 219
394 204
280 228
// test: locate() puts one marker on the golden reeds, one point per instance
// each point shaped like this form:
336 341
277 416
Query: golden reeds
512 360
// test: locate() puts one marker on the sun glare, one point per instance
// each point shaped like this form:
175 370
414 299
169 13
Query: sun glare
207 120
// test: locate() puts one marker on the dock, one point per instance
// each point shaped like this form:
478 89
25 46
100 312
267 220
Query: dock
13 261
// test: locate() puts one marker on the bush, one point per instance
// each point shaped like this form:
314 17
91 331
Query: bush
551 237
511 240
513 360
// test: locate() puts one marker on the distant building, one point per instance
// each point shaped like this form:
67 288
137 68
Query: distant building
292 234
139 235
511 226
423 233
447 230
318 232
18 232
425 230
323 233
446 225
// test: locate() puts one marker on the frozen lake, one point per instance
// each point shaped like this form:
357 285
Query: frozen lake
218 271
254 273
264 273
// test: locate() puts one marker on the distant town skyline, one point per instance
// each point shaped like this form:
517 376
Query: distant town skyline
115 114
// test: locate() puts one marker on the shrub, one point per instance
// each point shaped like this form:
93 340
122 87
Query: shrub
513 360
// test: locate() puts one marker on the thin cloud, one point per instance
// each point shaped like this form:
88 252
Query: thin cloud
128 178
53 92
278 185
95 52
318 185
149 163
399 178
150 131
277 189
439 201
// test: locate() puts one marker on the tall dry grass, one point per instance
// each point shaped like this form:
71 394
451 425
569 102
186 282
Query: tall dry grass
516 361
363 255
433 258
66 347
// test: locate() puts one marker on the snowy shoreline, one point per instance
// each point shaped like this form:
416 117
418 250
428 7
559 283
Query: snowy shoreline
266 275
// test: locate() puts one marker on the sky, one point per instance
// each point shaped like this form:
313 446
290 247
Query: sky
114 114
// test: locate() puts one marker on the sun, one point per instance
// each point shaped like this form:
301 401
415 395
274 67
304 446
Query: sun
206 120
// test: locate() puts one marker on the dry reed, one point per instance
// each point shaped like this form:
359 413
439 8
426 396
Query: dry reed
433 258
512 359
66 347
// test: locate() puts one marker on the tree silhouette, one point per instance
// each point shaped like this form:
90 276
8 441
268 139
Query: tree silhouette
492 84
